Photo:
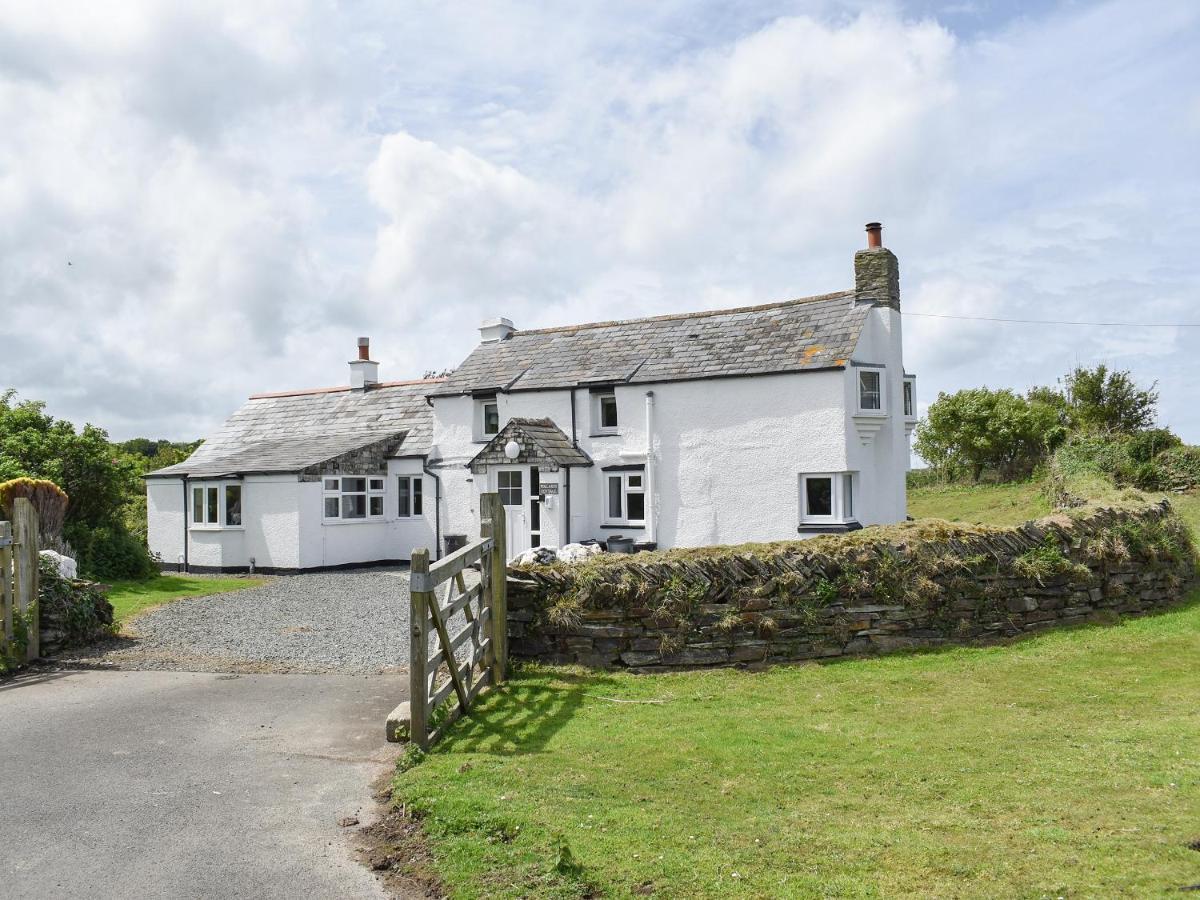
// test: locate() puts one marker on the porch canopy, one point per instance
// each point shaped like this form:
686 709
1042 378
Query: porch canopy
543 444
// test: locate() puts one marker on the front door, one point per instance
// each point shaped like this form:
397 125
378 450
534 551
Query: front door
513 486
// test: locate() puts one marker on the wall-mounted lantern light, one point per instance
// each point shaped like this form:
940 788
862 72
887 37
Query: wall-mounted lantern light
512 449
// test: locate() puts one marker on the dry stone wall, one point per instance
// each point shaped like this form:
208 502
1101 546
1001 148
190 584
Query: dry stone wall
921 584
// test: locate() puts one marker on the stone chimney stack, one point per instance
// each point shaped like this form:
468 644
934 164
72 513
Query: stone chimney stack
495 330
876 272
364 371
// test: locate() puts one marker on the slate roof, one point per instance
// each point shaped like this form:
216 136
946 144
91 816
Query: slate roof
796 335
540 440
290 431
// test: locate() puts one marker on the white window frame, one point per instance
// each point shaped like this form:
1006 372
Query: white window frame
908 400
416 497
481 406
221 507
842 503
598 426
374 487
881 372
627 488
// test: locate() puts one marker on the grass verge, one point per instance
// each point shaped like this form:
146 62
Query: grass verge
980 504
1062 765
131 597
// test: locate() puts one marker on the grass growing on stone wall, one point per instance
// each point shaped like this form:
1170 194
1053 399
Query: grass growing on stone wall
1064 765
132 597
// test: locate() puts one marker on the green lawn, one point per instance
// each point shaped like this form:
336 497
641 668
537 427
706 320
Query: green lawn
131 597
981 504
1065 765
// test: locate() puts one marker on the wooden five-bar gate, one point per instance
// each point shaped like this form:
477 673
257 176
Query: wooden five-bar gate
19 582
476 655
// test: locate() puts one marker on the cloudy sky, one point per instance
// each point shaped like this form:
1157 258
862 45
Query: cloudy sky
202 201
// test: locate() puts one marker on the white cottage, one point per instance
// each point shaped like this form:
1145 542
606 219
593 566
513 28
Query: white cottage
720 427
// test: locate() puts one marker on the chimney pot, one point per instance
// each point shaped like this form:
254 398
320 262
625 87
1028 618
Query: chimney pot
874 235
364 348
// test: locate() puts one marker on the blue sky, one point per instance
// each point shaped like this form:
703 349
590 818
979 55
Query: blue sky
198 205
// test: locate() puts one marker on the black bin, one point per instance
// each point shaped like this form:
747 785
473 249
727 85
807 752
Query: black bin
455 542
619 544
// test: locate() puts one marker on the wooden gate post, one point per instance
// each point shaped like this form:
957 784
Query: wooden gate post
418 679
492 524
25 532
6 584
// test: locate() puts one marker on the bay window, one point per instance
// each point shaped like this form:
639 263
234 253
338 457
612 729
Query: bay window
871 397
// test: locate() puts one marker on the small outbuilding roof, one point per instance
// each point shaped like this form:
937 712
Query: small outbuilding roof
796 335
290 431
541 442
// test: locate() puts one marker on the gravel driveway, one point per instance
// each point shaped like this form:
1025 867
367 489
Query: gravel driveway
353 622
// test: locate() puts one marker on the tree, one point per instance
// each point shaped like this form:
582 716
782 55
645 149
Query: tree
1104 400
978 430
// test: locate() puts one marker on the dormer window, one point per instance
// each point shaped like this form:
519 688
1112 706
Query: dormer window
604 412
870 391
487 417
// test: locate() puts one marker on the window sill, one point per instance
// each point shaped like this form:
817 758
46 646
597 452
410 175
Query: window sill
623 527
374 520
216 528
600 434
829 527
872 413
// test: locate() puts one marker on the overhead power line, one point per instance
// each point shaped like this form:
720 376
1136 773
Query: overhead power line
1058 321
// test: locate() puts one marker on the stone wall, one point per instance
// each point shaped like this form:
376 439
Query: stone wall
71 612
921 584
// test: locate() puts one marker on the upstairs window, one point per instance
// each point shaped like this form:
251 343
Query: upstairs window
410 490
870 391
604 412
910 397
487 417
625 501
826 498
353 498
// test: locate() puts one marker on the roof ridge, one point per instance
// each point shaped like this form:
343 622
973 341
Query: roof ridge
688 315
303 392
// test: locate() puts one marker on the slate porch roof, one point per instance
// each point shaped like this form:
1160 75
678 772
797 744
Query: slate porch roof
541 441
797 335
290 431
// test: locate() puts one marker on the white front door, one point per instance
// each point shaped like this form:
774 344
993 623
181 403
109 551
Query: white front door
513 487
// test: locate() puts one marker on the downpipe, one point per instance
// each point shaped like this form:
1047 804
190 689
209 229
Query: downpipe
651 530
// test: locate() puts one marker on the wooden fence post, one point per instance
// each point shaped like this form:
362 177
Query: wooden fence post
491 524
418 680
25 532
6 584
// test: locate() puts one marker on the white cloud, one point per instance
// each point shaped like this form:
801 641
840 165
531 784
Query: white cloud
243 189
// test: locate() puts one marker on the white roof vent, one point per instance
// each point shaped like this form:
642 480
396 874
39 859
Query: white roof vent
496 330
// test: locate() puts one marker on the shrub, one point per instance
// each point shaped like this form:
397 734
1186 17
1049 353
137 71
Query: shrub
109 553
80 607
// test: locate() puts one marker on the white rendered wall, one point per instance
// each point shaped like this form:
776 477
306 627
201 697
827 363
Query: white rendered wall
728 453
883 463
165 518
346 542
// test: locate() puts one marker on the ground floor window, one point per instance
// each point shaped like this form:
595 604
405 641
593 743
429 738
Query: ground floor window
410 492
353 498
826 497
217 505
625 498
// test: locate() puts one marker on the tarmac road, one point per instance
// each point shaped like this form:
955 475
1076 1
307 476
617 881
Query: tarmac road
188 785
